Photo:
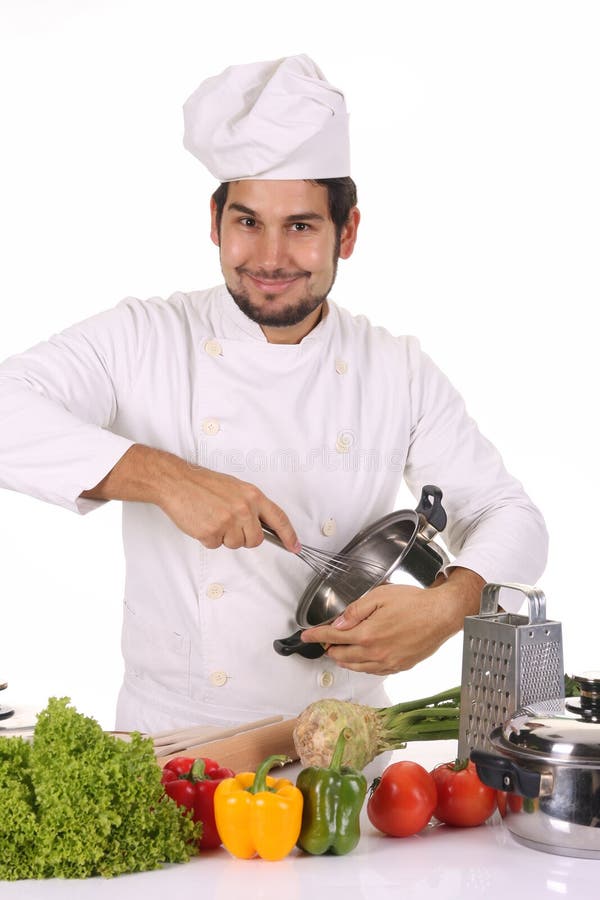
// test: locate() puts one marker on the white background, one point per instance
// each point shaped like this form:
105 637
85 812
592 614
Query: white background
475 149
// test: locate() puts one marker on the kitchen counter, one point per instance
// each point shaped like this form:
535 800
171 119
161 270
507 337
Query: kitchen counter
441 862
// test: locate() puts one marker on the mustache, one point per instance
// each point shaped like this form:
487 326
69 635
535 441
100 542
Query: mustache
275 275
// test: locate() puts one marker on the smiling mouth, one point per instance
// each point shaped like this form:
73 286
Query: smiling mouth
274 284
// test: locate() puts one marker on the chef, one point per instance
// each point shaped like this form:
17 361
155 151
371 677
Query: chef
261 400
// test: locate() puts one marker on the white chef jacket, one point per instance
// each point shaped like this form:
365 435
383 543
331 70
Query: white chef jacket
326 428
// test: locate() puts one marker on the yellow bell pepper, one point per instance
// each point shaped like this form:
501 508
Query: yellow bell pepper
257 814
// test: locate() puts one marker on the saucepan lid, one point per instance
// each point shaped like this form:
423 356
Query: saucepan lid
565 731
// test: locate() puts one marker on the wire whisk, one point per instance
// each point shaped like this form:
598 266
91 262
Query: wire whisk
338 564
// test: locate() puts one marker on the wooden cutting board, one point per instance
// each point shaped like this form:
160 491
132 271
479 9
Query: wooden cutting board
244 752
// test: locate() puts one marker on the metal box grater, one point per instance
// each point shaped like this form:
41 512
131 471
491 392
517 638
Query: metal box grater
509 661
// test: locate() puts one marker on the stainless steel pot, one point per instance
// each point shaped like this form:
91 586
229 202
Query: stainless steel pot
400 540
549 761
5 711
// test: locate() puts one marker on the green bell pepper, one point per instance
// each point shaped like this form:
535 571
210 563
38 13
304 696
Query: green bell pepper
333 799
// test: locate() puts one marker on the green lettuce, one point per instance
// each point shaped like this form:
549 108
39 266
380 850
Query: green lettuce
79 802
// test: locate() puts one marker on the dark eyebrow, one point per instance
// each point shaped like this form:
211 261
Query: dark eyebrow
243 209
295 217
305 217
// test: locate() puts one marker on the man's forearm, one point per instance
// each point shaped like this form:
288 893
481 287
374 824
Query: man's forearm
142 474
212 507
462 596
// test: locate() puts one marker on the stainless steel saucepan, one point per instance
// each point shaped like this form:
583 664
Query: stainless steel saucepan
5 711
547 757
400 540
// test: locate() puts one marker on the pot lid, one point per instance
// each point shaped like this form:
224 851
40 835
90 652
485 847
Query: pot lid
557 731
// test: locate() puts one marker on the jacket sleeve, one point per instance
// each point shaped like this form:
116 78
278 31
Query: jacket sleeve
493 527
58 402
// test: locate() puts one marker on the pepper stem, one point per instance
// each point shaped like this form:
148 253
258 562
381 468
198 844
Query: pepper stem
338 751
198 771
260 779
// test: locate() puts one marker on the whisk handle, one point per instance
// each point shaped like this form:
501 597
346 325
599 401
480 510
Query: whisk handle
271 536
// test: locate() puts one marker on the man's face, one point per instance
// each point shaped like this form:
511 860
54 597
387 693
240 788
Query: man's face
278 249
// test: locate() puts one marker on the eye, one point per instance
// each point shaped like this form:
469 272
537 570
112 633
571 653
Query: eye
300 226
248 222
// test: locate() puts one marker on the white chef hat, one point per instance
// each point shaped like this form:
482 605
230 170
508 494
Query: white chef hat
278 119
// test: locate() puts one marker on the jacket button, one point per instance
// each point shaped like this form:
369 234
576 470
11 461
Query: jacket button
326 679
213 348
215 591
210 426
341 366
218 678
329 527
344 441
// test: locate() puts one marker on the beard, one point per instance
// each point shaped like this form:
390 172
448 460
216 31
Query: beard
291 314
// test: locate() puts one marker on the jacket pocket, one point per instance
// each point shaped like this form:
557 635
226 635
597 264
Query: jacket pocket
155 654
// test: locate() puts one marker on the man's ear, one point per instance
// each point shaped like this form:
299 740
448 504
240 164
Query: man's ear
348 235
214 231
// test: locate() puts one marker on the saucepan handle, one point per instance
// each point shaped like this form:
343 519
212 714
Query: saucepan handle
294 644
430 506
505 775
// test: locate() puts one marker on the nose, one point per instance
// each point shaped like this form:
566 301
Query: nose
271 250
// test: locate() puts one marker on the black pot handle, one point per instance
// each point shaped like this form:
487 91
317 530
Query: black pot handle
294 644
430 506
505 775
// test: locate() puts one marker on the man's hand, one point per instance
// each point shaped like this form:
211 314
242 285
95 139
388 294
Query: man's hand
212 507
393 627
219 509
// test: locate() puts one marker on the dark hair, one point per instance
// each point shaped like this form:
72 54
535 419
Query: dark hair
341 193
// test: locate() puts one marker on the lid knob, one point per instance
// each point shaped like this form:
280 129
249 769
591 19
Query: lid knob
588 704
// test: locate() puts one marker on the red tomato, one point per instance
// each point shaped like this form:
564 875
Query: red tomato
462 798
402 800
506 801
501 800
515 803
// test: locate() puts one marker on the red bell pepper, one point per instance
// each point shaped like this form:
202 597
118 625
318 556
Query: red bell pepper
192 783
